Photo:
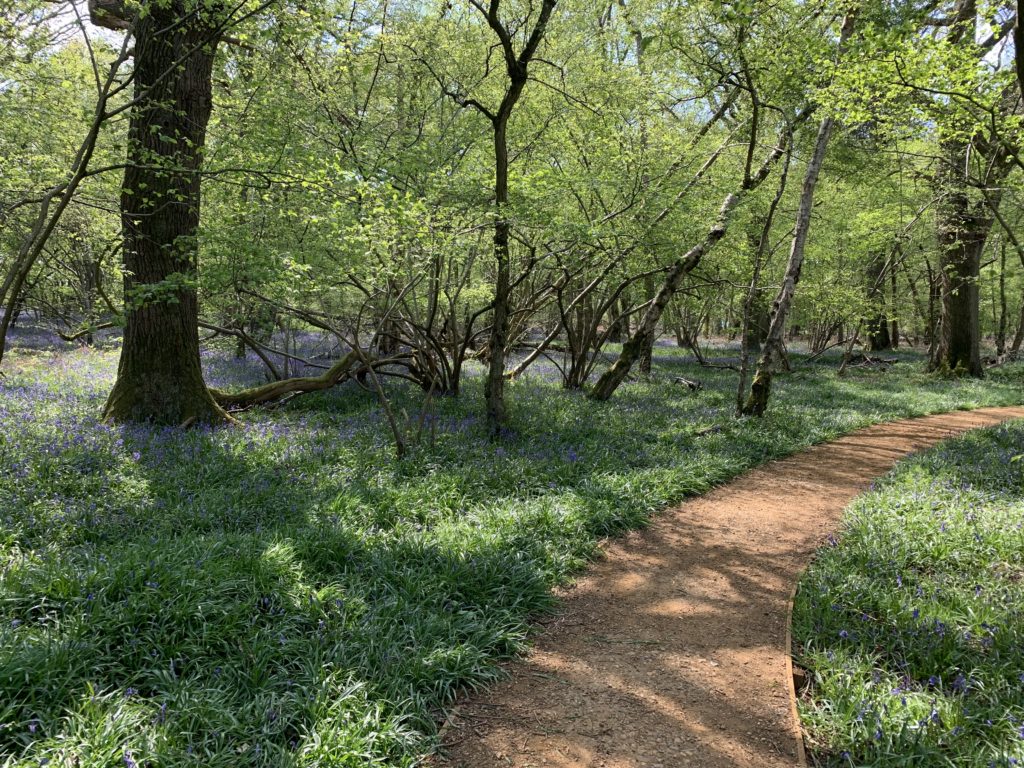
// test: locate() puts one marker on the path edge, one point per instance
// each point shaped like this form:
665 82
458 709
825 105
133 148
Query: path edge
797 723
794 710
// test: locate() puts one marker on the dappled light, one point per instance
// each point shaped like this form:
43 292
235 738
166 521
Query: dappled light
427 383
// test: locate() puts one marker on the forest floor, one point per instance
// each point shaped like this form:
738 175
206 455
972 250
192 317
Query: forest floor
285 592
673 649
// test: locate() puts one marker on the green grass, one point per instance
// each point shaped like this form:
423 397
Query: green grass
286 593
913 621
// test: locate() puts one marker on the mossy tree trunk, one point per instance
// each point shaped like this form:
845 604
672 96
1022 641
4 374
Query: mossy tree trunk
879 337
159 377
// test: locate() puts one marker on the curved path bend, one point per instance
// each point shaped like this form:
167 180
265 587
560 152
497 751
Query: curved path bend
672 649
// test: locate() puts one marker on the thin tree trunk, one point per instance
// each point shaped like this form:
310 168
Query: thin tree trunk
755 325
1001 322
646 329
517 71
894 323
774 347
879 337
760 390
1018 338
647 353
1018 45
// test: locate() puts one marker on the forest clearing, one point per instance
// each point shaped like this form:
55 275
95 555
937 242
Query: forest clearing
511 383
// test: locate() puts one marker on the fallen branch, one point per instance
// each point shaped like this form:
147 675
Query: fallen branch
350 365
249 342
689 383
80 334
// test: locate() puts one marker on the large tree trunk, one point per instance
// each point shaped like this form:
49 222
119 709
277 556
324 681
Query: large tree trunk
962 232
159 378
963 225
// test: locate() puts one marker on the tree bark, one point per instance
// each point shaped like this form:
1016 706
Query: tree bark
962 228
516 68
647 327
159 377
879 336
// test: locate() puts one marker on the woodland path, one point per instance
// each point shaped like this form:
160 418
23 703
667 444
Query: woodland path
671 650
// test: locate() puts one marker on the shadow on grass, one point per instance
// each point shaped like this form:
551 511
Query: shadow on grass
318 641
287 592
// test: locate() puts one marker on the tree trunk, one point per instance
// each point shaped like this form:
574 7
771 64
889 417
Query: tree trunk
516 68
1018 45
756 318
962 232
934 320
647 327
963 227
619 324
647 353
894 323
1001 321
159 378
1018 338
774 349
879 337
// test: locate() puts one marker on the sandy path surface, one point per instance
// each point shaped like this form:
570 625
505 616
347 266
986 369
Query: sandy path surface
671 650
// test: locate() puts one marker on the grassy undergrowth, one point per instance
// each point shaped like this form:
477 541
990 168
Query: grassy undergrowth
286 593
913 621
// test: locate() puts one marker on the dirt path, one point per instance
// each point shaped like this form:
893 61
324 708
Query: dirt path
671 650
